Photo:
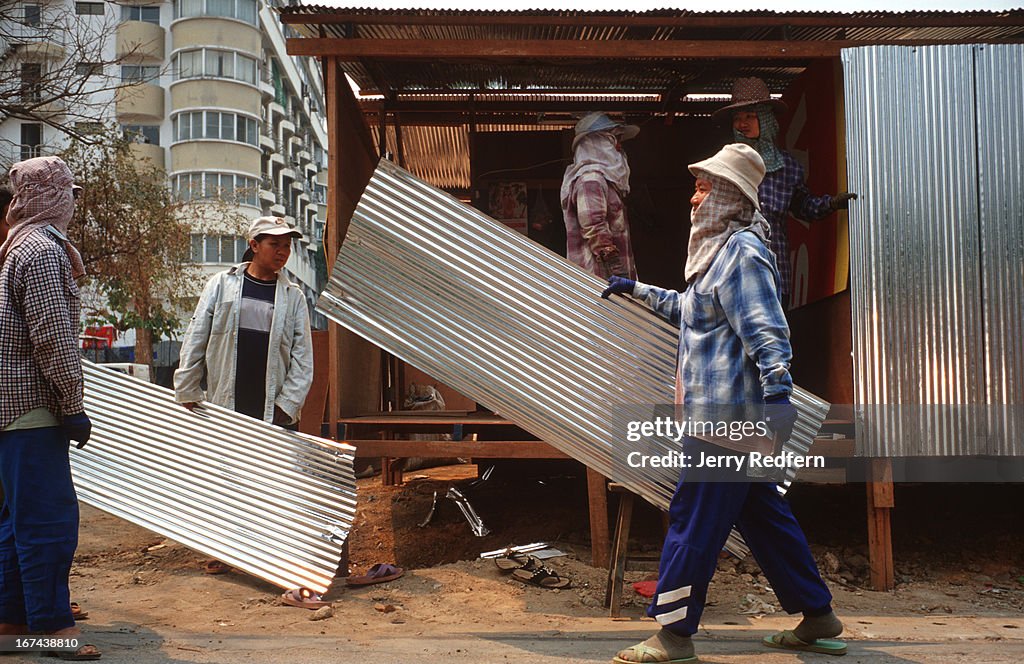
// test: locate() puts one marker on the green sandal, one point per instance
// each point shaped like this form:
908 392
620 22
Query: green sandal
645 654
787 640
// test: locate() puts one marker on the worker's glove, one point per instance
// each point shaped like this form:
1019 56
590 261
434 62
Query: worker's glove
78 427
780 416
618 284
841 201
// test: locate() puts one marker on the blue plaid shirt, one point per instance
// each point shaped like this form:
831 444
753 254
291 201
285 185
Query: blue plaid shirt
785 192
733 338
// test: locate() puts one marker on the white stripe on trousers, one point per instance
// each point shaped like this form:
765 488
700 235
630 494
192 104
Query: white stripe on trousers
671 616
673 595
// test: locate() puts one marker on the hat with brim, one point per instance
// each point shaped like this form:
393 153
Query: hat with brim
268 226
748 92
739 164
598 121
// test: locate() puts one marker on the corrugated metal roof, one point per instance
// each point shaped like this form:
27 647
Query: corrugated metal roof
514 327
637 75
273 503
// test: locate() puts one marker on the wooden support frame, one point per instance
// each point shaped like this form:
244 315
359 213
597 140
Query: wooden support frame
881 500
560 49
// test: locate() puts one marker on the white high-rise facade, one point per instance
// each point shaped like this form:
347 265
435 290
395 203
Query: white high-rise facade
217 102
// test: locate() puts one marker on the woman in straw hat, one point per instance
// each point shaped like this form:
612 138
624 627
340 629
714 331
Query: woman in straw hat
734 356
783 190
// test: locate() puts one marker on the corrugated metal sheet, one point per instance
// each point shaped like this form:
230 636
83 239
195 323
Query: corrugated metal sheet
511 325
924 322
273 503
999 77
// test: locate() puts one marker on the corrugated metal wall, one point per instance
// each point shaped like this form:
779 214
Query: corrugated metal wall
513 326
936 255
271 502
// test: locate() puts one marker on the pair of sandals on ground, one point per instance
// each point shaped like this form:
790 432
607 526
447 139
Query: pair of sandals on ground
304 598
530 570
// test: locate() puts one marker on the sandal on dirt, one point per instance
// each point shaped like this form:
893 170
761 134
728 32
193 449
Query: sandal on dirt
379 573
787 640
513 560
83 654
304 598
643 653
542 577
77 613
216 567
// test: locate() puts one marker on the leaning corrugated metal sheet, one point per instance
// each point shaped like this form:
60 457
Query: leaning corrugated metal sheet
273 503
511 325
934 137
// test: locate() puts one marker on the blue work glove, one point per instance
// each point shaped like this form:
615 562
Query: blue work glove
618 284
78 427
780 415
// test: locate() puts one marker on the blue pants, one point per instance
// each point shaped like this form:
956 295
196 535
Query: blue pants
38 529
703 511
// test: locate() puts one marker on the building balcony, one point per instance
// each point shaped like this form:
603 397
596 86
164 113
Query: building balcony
277 210
267 142
267 90
139 41
141 101
287 127
288 173
267 196
144 152
304 156
277 159
41 50
276 109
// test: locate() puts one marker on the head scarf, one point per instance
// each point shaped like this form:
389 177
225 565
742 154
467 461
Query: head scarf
765 141
724 211
596 152
42 198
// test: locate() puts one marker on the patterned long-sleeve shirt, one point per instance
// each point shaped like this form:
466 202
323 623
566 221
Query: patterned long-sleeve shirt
40 366
784 192
595 219
733 338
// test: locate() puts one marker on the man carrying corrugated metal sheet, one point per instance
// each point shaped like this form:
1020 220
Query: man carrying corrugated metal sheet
593 190
250 338
41 403
734 353
783 191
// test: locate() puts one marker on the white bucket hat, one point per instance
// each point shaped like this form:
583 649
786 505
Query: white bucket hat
599 121
739 164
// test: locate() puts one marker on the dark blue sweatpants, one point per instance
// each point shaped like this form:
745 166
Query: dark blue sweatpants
38 529
705 507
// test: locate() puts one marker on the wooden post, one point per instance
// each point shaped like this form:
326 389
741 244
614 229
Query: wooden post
881 500
597 498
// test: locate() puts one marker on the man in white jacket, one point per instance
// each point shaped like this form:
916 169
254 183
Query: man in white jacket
250 335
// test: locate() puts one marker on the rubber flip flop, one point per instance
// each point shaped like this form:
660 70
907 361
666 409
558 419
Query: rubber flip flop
645 653
541 577
379 573
787 640
304 598
512 561
77 613
216 567
85 653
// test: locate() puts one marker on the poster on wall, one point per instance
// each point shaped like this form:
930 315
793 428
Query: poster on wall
819 251
507 204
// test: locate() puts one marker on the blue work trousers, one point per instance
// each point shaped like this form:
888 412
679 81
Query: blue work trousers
38 529
705 507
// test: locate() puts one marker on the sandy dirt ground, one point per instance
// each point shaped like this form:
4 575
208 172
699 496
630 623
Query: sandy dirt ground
960 595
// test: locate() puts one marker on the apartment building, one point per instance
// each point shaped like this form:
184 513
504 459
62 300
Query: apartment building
214 98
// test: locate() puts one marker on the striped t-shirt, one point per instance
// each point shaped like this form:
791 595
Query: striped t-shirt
255 316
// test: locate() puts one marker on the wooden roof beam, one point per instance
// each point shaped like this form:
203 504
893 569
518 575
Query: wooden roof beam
932 20
498 49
